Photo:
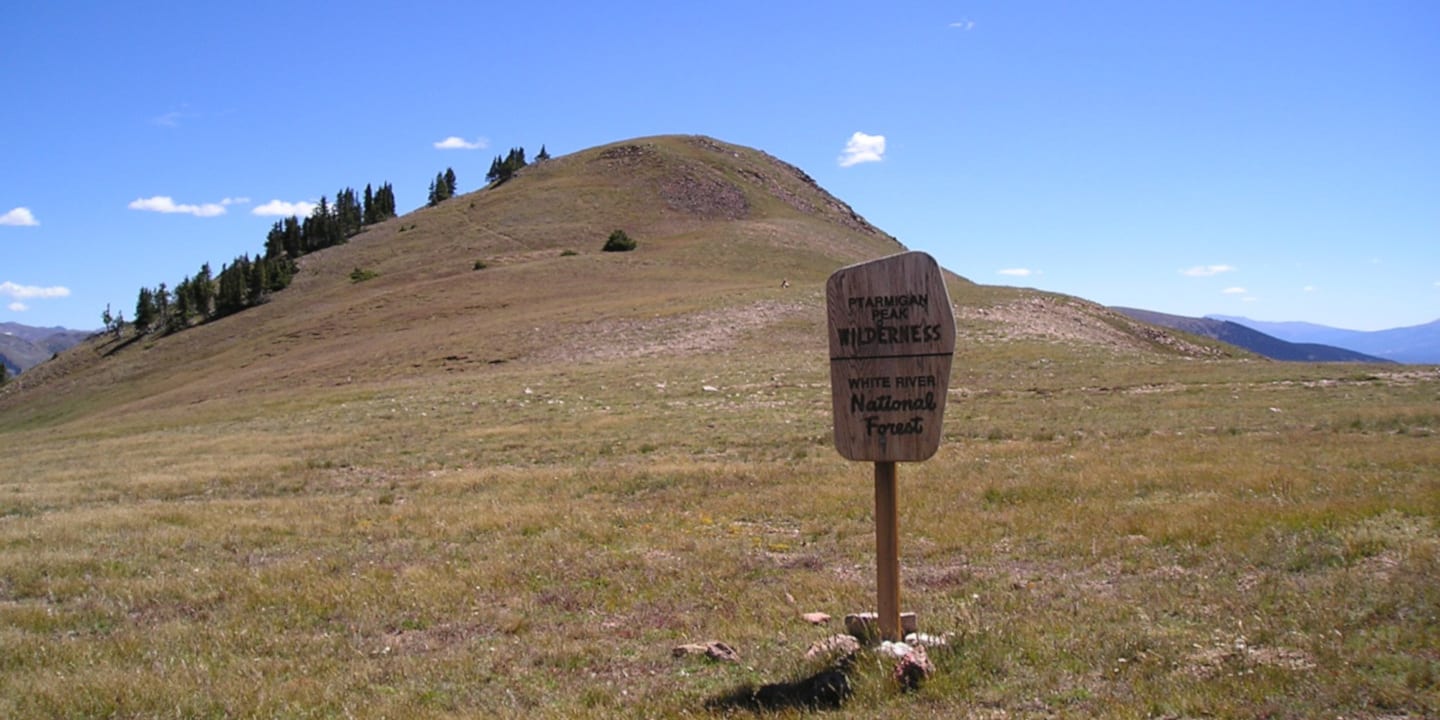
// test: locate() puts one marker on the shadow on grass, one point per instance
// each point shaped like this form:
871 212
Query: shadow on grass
117 345
825 690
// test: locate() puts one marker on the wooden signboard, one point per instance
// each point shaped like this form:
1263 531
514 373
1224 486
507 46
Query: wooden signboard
892 339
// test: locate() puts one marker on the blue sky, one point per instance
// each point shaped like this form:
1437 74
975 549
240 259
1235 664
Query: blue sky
1279 160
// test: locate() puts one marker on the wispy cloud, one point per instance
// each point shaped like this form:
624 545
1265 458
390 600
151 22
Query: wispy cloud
280 208
173 118
965 24
1207 270
166 204
19 217
18 306
1312 288
32 292
235 201
459 143
863 148
1018 272
1234 291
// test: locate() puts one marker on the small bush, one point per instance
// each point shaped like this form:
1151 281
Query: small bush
481 265
619 242
360 275
568 253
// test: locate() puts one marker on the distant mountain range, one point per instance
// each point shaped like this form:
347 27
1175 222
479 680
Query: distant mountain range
23 347
1415 344
1256 341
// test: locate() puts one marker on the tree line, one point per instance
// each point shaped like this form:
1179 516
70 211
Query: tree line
502 169
245 281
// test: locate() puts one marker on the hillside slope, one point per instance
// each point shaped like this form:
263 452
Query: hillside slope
734 248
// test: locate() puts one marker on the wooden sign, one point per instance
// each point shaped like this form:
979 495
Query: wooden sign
892 340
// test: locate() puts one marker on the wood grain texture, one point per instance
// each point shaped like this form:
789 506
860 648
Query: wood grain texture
892 342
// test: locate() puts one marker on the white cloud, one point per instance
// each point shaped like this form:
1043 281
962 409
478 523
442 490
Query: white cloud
280 208
19 217
18 306
963 25
1234 291
1018 272
459 143
166 204
1312 288
235 201
172 119
32 292
1207 270
863 148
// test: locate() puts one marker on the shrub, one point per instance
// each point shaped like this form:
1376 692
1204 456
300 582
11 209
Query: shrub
568 253
481 265
359 275
619 242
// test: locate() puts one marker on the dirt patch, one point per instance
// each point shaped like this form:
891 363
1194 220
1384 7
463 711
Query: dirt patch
704 195
1237 656
790 185
676 335
1077 322
417 641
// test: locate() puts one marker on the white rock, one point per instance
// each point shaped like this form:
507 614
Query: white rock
895 649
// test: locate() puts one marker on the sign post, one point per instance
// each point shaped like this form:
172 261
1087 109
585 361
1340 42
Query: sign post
892 341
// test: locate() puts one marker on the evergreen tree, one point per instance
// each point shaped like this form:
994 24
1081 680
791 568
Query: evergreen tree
184 306
162 306
442 188
320 230
294 237
542 156
233 279
349 216
278 273
202 292
368 211
385 202
4 374
619 241
144 311
502 170
257 282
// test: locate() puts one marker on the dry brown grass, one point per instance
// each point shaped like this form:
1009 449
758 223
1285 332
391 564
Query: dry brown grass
533 540
399 498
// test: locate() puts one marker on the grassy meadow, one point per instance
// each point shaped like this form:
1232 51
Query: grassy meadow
1103 535
467 465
